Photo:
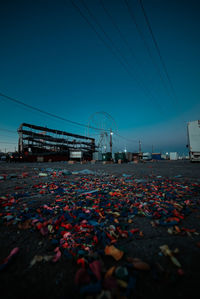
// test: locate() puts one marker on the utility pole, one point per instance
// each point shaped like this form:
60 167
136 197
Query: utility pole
140 147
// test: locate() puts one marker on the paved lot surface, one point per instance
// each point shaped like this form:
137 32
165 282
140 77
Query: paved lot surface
164 168
23 185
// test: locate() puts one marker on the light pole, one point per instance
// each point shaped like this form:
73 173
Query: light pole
140 147
111 133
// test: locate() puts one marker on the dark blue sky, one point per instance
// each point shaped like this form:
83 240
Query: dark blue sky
56 59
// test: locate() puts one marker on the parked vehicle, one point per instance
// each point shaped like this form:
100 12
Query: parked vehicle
3 158
14 157
146 156
193 128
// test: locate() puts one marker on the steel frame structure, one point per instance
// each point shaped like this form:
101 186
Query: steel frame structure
37 140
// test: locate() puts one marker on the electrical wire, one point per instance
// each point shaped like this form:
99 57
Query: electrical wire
121 59
44 112
7 142
8 136
116 48
118 29
100 37
39 110
146 46
127 139
156 44
105 33
6 130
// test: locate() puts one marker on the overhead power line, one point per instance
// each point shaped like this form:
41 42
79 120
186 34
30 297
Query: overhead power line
128 46
6 136
7 142
146 46
50 114
121 58
127 139
145 89
105 33
100 37
44 112
6 130
117 28
156 44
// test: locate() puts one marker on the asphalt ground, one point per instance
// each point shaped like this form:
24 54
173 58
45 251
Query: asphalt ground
56 280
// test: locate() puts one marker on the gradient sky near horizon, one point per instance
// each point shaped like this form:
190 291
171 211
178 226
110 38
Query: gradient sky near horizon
76 58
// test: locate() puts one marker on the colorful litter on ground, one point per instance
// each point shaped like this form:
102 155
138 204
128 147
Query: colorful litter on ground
86 216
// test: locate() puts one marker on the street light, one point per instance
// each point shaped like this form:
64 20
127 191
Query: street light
111 133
